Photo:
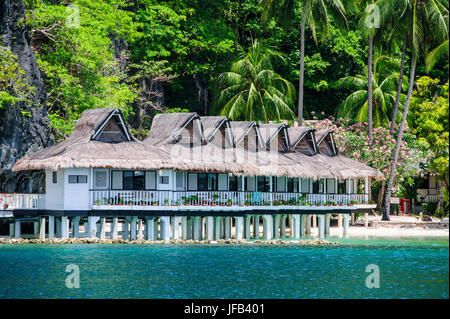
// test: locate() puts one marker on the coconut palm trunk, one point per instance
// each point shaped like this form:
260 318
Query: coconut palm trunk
381 195
387 204
302 66
399 89
369 90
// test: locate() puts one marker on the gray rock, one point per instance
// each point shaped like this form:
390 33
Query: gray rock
21 134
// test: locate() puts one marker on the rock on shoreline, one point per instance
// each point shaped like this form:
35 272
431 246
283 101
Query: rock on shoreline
188 241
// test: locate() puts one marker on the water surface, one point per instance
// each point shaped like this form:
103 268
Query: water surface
409 268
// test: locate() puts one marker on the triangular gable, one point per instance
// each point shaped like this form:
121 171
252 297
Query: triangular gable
325 142
112 129
275 136
244 132
173 128
217 129
302 140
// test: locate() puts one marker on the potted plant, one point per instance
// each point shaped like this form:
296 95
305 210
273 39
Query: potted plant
230 202
166 202
185 200
215 198
194 199
120 202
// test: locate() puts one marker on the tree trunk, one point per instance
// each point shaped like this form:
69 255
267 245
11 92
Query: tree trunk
302 66
369 90
387 204
399 89
381 195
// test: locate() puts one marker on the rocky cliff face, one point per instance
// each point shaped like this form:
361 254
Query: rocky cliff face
21 134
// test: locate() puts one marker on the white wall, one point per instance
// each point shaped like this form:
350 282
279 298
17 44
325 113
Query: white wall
54 193
77 196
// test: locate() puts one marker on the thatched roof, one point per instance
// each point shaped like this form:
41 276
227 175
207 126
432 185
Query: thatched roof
325 142
101 140
80 150
275 133
168 127
211 124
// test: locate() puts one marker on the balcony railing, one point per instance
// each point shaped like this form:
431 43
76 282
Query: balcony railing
22 201
221 198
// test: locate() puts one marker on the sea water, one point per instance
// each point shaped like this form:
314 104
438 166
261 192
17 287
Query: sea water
406 268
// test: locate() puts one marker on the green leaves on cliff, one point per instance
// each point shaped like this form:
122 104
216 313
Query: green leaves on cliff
74 47
14 85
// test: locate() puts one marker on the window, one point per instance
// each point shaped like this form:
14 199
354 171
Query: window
55 177
100 179
164 179
77 179
318 187
263 184
150 180
233 183
128 180
305 185
292 185
342 187
207 182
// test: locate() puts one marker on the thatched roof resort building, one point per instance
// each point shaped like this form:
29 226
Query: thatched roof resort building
192 178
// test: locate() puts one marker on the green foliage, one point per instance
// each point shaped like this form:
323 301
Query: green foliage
77 60
384 85
14 86
430 105
251 90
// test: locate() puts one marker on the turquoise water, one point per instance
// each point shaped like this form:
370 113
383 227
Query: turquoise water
409 268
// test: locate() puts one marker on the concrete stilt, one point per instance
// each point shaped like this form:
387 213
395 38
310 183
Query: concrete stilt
115 228
11 229
217 228
239 227
346 218
227 222
339 220
283 226
247 227
156 233
42 228
190 225
102 228
35 228
133 228
314 221
291 227
295 226
209 228
267 226
184 228
149 228
165 227
321 225
17 233
64 227
176 227
51 226
366 219
76 227
302 225
256 227
327 224
125 229
140 234
197 228
58 227
308 225
276 226
92 226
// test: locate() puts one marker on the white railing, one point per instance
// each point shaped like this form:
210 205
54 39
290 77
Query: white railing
136 198
431 198
216 198
28 201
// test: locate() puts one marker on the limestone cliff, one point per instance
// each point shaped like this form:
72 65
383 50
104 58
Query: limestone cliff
21 134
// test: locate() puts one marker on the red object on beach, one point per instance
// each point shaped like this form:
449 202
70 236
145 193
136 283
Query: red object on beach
405 206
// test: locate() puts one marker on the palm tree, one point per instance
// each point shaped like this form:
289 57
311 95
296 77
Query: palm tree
251 90
436 54
427 23
315 13
384 83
